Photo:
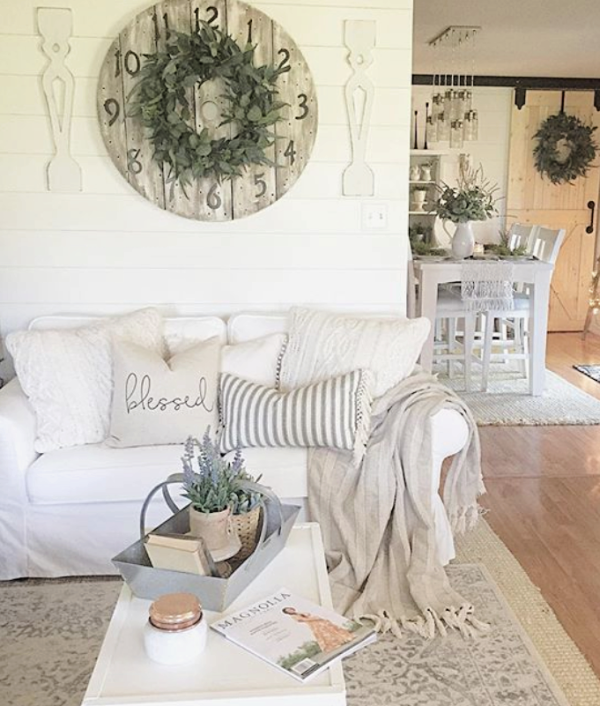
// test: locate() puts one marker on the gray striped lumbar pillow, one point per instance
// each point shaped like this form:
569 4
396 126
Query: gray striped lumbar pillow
335 413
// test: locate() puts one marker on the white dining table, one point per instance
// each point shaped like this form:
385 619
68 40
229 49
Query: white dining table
537 274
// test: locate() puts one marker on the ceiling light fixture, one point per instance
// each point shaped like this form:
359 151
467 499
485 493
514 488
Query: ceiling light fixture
453 118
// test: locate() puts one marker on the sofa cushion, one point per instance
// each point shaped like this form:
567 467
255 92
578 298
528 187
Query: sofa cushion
96 473
67 374
256 360
163 402
324 344
179 331
246 326
334 413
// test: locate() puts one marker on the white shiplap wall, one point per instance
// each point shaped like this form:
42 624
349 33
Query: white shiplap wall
107 249
491 150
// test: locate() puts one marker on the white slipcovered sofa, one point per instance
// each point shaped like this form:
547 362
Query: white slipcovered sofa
67 512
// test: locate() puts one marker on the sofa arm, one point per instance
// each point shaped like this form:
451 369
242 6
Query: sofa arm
449 433
17 435
17 431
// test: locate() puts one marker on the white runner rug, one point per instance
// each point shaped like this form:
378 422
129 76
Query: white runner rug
507 403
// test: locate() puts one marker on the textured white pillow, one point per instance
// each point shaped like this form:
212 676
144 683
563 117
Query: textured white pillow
67 375
256 360
160 402
323 345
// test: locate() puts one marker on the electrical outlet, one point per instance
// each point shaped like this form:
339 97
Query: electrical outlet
374 216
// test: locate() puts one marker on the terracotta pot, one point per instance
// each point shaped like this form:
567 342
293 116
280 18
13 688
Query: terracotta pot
217 531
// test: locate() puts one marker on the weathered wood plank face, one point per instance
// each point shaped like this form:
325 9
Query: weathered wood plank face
297 131
137 39
111 109
256 189
125 138
174 16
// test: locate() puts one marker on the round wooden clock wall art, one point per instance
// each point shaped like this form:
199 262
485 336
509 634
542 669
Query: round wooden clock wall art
208 109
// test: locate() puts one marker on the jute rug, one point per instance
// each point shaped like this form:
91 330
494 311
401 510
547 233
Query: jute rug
507 402
51 631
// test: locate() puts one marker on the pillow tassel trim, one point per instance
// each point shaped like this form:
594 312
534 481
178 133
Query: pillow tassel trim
363 416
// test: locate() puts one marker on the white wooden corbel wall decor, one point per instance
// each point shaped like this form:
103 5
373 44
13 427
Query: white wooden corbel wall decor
55 25
359 36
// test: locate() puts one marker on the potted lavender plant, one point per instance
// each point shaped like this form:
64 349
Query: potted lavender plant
211 490
225 505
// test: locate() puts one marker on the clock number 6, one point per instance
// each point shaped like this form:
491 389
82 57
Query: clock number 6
133 163
262 185
290 152
303 106
213 200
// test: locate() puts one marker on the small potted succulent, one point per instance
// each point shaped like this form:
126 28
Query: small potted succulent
419 196
218 495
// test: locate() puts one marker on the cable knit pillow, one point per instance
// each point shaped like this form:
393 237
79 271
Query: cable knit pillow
323 344
335 413
67 375
160 402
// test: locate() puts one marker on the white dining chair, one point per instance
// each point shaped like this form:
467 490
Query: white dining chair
545 245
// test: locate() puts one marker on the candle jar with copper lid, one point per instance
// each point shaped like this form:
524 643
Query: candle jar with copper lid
176 629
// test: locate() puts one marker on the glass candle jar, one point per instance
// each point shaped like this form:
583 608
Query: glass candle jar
456 134
176 630
431 132
443 128
471 126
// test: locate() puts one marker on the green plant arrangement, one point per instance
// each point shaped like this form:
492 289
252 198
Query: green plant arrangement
565 148
471 200
422 248
419 232
216 484
503 248
161 99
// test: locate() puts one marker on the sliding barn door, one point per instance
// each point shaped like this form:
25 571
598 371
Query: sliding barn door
533 199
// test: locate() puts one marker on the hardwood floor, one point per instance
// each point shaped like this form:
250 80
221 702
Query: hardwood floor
544 499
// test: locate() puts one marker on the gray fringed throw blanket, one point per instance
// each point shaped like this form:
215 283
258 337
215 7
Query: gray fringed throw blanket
377 519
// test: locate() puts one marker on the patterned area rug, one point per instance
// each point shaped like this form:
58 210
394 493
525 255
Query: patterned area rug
507 402
592 371
51 631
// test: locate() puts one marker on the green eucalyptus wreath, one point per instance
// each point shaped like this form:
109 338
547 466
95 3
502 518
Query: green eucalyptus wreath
161 100
565 148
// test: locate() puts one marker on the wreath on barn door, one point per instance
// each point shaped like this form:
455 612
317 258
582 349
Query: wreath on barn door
162 100
565 148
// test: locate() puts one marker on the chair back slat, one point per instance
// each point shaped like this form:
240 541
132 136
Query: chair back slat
547 242
522 234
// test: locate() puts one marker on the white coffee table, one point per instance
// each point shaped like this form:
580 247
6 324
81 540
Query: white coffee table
225 674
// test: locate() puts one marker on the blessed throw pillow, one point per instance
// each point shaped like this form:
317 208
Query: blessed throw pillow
323 344
163 402
67 375
335 413
256 360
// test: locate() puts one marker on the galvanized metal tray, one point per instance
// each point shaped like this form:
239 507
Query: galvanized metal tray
215 592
